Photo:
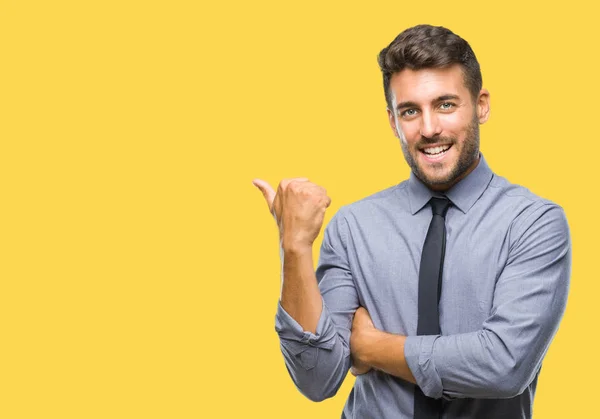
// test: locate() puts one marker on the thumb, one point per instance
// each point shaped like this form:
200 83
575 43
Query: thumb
266 190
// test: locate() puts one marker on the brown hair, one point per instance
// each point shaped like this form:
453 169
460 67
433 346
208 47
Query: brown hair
426 46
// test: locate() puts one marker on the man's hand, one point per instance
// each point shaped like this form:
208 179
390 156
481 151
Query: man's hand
374 348
299 209
362 328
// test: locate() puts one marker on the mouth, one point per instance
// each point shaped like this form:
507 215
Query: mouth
435 152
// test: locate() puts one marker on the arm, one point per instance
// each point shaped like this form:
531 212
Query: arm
315 311
501 359
298 207
318 362
300 296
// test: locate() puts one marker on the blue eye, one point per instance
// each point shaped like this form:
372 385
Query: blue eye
447 105
409 112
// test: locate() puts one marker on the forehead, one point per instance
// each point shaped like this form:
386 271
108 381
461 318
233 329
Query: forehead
426 85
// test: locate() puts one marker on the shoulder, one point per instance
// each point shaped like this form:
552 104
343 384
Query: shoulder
382 200
517 197
529 212
366 209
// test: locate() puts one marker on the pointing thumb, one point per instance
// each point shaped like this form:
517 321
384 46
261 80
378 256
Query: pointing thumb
266 190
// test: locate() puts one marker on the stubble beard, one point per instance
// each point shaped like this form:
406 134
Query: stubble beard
468 155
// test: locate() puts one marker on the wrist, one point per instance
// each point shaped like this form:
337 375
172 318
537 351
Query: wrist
295 248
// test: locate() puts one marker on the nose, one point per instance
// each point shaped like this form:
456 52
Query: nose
430 125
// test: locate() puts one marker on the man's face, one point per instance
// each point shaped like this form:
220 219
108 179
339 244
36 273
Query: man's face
437 122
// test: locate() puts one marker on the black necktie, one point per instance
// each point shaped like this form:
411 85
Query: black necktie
430 287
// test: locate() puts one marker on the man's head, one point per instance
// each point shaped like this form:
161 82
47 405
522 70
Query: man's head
433 91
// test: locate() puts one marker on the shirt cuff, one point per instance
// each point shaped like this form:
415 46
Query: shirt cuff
288 329
418 352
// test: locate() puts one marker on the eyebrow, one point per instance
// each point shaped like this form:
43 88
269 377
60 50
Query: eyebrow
409 104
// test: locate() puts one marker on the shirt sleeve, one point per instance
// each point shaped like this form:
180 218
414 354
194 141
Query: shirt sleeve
503 358
319 362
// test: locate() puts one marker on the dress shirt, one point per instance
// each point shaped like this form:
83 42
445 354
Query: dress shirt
504 290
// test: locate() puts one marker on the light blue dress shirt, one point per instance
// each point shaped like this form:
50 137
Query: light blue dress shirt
504 290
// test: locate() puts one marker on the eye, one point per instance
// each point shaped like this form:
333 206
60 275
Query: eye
447 105
408 113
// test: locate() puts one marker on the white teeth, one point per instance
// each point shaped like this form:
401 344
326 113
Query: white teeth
436 150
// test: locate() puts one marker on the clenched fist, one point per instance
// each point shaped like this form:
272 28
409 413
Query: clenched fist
298 207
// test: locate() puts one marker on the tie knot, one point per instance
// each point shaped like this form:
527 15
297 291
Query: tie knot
439 206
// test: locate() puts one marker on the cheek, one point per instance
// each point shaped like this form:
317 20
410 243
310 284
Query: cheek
455 126
409 134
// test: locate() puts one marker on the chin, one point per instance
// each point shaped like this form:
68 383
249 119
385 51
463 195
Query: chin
438 173
438 180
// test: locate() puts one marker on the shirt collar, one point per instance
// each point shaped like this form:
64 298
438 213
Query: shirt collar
463 195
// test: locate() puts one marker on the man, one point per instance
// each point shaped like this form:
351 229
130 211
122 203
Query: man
441 293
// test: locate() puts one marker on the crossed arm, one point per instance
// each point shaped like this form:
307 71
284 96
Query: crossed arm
498 361
373 348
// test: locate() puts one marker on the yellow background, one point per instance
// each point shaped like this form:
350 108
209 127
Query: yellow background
139 267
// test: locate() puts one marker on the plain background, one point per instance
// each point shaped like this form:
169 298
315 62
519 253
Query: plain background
139 267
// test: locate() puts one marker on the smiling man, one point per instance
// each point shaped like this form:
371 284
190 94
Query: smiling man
441 293
439 110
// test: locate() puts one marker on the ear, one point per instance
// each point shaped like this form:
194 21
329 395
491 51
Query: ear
483 106
392 120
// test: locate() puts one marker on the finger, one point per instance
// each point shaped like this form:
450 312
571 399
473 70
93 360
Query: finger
266 190
353 372
285 182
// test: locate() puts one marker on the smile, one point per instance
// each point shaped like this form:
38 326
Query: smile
437 152
433 151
